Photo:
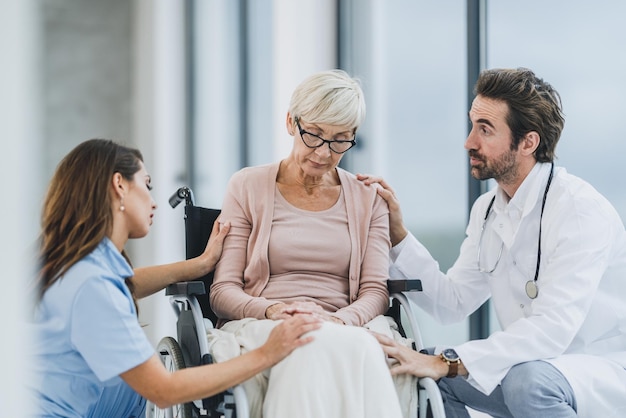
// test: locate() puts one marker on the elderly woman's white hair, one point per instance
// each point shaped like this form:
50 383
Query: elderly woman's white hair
331 97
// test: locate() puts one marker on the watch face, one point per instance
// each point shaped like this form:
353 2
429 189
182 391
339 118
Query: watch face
450 354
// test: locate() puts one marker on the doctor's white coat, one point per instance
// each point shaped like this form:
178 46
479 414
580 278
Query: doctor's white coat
578 320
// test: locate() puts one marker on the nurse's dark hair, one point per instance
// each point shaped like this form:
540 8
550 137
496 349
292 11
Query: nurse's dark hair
534 105
78 208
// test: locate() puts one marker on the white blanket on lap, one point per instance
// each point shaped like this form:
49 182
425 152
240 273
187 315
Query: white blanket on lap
342 373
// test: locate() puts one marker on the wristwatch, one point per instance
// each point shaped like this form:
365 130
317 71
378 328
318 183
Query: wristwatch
450 357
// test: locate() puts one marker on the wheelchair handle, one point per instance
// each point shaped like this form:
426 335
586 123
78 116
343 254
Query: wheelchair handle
183 193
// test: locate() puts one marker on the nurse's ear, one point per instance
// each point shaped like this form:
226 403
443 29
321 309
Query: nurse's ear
119 188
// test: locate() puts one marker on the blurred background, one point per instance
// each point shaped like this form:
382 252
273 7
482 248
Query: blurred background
202 88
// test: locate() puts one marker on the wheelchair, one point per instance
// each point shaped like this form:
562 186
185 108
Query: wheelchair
190 302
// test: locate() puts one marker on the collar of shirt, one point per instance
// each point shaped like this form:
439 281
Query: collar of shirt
509 213
114 259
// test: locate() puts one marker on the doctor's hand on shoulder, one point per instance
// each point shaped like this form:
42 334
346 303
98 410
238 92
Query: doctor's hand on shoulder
397 230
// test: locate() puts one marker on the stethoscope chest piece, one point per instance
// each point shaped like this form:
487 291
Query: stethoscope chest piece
531 289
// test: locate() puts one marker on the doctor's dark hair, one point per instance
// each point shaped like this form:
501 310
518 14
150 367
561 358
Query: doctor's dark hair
78 208
534 105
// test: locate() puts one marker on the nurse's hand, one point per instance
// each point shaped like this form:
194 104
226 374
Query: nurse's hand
151 279
397 230
213 249
289 335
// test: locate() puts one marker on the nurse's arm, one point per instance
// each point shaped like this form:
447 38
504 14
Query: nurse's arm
152 381
149 280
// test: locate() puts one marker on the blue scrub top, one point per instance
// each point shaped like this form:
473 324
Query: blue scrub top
87 334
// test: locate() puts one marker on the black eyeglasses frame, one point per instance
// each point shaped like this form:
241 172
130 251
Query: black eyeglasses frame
324 141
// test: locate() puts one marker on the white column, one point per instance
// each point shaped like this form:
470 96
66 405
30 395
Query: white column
218 117
160 133
20 160
368 59
305 41
376 96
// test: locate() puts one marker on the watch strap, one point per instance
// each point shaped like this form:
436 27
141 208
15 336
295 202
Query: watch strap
453 366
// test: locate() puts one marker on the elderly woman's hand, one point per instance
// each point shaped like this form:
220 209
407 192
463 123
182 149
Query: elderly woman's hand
283 310
397 230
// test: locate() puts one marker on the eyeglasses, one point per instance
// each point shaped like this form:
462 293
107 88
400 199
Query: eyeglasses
314 141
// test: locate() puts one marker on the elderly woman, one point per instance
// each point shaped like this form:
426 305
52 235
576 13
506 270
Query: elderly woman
307 237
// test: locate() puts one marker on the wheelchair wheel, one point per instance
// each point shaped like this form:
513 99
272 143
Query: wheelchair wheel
172 358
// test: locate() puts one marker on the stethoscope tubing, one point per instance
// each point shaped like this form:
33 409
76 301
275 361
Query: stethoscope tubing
532 289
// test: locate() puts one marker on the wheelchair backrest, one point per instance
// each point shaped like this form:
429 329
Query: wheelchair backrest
198 225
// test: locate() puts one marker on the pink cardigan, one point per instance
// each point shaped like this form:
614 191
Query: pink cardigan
243 270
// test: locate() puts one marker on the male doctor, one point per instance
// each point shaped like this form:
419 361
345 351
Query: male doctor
548 250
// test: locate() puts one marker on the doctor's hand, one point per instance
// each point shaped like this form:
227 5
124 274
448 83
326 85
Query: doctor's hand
397 230
410 361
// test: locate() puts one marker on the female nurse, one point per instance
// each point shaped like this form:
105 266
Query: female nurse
91 356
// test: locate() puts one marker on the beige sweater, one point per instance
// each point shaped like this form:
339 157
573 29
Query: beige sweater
243 271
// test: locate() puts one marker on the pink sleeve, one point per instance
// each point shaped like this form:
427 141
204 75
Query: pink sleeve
228 298
372 296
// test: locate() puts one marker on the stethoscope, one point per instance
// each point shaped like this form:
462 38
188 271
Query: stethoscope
532 290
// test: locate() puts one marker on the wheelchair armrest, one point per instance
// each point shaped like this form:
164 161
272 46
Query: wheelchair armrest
399 302
185 288
404 285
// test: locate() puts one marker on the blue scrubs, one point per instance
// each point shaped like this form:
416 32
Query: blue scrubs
87 334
